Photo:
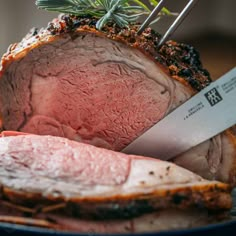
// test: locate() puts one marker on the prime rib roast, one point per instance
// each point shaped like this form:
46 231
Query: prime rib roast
105 88
57 183
69 88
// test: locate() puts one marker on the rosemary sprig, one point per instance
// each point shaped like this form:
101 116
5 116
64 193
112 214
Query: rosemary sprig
121 12
118 11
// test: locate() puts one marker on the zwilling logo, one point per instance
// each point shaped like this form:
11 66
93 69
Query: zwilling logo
213 97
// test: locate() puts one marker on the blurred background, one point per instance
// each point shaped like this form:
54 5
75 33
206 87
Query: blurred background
210 28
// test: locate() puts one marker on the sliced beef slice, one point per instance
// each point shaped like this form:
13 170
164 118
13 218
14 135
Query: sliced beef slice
56 183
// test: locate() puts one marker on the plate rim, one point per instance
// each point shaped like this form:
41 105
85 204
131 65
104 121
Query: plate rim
11 228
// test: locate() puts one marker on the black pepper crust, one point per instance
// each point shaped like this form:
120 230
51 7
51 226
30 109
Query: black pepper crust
180 60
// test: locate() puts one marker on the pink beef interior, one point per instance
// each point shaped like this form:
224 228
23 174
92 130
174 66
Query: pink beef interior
88 89
57 166
67 163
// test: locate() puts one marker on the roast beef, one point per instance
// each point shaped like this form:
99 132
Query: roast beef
56 183
105 88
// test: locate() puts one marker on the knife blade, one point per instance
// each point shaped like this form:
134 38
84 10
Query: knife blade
203 116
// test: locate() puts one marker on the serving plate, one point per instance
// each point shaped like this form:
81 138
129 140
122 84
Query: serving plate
227 228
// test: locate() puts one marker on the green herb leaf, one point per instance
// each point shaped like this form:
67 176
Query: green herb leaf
121 12
140 3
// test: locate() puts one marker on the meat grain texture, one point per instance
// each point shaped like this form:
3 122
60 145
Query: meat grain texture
61 184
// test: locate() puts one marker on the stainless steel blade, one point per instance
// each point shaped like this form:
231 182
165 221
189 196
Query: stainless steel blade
203 116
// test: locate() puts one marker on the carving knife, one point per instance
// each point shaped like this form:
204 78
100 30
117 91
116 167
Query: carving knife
203 116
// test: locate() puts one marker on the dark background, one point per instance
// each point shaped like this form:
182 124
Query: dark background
210 28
